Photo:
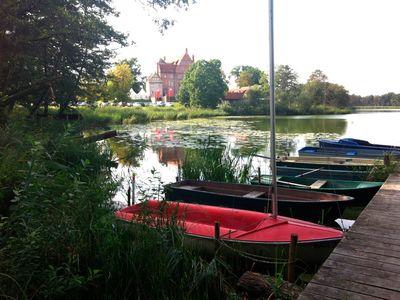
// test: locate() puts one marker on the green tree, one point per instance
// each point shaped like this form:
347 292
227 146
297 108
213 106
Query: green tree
138 82
203 85
49 49
246 75
119 84
287 86
337 95
318 75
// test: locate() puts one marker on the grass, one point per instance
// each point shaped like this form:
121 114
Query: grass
134 115
216 164
61 240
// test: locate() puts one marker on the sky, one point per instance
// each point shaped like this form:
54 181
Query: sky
354 42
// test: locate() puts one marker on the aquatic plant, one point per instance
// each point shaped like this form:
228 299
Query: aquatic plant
217 164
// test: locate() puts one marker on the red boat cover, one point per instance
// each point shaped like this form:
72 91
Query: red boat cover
235 224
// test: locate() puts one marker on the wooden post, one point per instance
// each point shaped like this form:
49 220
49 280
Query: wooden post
292 257
386 160
259 175
216 235
133 189
129 195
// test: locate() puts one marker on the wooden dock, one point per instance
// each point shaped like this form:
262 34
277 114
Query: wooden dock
366 263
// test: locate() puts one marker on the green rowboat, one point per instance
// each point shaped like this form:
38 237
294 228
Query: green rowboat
361 191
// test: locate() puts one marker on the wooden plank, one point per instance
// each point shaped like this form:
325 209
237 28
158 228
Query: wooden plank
347 280
317 291
254 194
368 255
365 262
368 240
375 275
318 184
352 248
388 233
190 187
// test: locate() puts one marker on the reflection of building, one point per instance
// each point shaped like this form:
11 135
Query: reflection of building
165 82
171 155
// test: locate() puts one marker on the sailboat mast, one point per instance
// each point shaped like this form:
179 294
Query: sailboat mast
272 110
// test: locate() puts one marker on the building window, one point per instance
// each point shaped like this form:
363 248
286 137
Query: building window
171 83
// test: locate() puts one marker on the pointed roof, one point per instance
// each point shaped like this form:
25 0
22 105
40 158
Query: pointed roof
185 57
154 77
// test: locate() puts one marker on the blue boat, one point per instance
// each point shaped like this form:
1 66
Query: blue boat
329 148
356 143
363 148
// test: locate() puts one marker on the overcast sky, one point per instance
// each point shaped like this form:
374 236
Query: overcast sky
356 43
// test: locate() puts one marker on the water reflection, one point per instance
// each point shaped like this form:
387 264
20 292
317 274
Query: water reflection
153 151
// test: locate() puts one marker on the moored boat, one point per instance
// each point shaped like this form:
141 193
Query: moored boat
352 148
345 152
356 143
251 232
328 163
361 191
305 205
322 173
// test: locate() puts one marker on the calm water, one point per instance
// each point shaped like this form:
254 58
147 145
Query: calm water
159 146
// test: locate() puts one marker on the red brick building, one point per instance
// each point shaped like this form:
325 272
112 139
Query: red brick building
165 82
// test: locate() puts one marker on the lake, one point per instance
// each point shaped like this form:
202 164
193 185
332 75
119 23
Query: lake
153 151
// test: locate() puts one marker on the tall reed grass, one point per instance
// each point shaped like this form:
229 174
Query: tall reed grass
216 164
134 115
61 239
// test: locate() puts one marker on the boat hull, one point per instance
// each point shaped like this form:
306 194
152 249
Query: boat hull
358 150
345 152
322 173
241 231
357 144
361 191
304 205
326 166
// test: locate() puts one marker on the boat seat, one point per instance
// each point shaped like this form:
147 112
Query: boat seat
318 184
254 194
190 187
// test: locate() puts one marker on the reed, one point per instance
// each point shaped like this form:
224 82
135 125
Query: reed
61 239
217 164
134 115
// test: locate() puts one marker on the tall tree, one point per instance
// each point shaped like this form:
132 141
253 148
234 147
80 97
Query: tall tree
50 48
124 77
318 75
119 84
287 86
203 85
246 75
138 82
56 45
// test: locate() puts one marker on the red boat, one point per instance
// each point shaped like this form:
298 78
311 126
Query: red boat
252 232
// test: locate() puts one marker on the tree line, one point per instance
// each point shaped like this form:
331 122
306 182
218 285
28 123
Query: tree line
389 99
60 52
204 85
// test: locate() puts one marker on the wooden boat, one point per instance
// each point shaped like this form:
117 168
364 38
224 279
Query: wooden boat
305 205
250 232
355 149
328 164
356 143
361 191
322 173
